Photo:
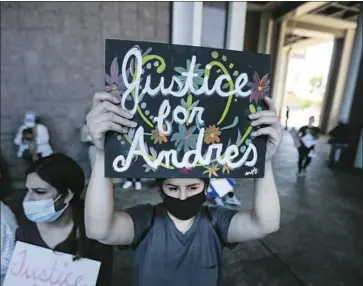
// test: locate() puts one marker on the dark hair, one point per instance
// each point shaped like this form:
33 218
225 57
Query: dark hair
6 188
28 131
63 173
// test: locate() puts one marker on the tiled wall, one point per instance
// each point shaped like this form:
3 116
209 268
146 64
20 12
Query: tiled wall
52 62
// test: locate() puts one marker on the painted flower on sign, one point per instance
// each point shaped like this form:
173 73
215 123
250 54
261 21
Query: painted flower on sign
226 169
185 170
212 134
197 79
148 168
185 139
260 87
158 137
212 171
114 79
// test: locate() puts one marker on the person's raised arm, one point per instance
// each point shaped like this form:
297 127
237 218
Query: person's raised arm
18 140
102 222
264 218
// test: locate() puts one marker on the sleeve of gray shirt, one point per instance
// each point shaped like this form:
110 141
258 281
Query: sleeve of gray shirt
223 217
142 217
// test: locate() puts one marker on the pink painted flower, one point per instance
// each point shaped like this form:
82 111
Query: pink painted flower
260 88
114 79
185 170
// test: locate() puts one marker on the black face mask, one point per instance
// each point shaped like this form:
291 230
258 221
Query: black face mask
184 209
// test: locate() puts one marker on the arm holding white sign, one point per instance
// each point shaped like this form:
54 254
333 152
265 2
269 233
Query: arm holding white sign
264 218
101 221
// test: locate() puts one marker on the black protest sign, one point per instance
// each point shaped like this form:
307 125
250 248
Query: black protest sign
191 105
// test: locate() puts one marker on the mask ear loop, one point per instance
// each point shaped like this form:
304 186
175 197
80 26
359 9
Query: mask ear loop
66 205
63 209
54 201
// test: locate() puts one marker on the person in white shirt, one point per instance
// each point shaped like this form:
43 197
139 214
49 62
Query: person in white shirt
32 139
8 228
308 136
220 189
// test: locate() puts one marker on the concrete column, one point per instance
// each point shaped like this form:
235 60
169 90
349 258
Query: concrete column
264 31
236 25
187 23
342 76
359 157
280 70
270 29
330 87
352 71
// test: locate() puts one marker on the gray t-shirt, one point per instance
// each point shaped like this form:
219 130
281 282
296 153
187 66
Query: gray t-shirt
166 257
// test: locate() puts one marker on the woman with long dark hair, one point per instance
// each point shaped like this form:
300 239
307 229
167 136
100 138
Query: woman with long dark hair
55 213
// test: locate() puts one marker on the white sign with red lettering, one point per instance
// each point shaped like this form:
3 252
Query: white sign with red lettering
36 266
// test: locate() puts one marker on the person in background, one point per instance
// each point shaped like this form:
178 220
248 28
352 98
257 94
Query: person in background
223 188
55 213
32 139
8 228
130 182
287 117
308 135
177 242
338 140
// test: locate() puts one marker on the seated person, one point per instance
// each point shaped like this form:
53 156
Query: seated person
55 213
33 140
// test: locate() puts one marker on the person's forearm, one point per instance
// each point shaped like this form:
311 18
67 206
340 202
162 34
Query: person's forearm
266 206
99 205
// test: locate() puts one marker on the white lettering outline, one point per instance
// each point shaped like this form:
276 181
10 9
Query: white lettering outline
138 148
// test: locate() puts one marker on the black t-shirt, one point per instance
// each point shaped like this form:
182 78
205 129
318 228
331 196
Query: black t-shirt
166 257
28 232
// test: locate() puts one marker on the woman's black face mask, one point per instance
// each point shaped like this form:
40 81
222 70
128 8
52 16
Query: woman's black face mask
184 209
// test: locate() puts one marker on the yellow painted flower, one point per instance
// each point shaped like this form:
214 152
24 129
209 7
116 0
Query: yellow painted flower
226 169
212 134
212 171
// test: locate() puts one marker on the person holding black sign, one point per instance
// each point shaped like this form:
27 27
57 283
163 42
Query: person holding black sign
180 241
